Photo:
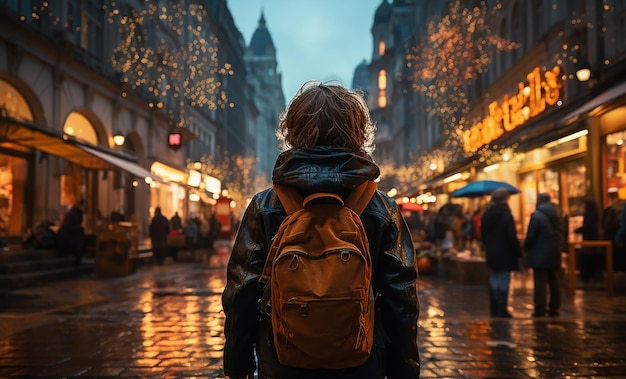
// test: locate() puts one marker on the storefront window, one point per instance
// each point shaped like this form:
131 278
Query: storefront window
564 182
169 197
548 182
615 170
13 169
574 179
13 172
528 186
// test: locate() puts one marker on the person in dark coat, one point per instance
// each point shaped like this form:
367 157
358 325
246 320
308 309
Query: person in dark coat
591 263
215 228
177 222
159 230
502 248
328 133
71 235
543 254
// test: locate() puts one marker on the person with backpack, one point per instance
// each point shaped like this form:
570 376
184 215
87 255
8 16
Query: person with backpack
321 281
543 245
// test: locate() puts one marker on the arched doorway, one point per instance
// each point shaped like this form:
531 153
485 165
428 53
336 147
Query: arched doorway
74 179
16 167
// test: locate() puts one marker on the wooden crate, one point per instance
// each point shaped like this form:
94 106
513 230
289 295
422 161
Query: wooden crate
117 249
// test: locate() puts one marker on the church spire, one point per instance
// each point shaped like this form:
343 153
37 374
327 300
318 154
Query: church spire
261 43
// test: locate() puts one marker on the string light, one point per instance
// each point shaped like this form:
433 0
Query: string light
167 53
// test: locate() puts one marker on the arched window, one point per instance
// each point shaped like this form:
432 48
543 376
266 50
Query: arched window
14 103
382 89
80 127
381 47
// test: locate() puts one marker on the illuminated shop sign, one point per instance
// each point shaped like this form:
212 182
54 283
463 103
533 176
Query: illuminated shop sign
530 100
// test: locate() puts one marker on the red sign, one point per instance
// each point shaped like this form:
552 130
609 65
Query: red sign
175 140
222 212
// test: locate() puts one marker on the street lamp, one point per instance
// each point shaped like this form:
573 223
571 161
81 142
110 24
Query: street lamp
118 138
583 72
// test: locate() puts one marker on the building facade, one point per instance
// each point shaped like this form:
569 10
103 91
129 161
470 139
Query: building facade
75 74
265 81
523 116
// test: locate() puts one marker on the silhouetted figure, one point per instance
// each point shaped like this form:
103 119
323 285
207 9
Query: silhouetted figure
177 222
215 228
159 230
590 263
543 244
71 235
502 249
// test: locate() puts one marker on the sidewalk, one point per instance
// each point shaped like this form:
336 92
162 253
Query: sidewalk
166 322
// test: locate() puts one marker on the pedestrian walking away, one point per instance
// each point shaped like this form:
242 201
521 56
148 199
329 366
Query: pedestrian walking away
503 250
327 137
176 223
71 235
215 228
159 230
543 245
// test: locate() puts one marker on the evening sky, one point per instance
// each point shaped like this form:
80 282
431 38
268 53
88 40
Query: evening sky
314 39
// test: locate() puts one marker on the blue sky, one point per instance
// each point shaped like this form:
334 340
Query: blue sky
315 39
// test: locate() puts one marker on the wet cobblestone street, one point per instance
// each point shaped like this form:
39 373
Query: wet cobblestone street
166 322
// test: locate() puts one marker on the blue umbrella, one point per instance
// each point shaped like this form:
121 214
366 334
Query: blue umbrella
483 187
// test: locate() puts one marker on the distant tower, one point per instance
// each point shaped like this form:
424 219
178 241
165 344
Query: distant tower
267 95
393 24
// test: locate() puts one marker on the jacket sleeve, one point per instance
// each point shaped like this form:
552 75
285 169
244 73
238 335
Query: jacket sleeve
241 294
398 302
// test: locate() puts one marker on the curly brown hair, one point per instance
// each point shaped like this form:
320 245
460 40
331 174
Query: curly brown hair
326 115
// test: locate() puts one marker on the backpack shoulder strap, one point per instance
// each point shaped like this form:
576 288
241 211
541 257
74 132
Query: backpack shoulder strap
289 198
361 196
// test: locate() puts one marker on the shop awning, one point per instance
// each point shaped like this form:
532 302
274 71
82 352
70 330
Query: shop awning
168 173
128 166
55 143
601 99
47 140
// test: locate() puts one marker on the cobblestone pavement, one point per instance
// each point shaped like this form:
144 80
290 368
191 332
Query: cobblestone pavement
166 322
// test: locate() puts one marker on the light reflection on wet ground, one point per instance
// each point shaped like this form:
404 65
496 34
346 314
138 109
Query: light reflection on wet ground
459 340
166 321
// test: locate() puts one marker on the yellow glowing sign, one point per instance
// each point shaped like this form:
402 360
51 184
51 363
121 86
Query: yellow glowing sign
512 112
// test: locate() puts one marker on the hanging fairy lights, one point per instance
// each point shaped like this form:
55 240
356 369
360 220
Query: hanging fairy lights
456 48
168 53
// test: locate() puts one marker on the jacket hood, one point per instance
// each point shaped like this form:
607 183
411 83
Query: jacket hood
324 169
493 214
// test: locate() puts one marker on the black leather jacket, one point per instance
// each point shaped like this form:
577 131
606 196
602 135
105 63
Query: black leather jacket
395 352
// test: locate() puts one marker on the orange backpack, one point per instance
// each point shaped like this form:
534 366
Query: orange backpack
317 280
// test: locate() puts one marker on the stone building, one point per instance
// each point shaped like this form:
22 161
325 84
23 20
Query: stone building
523 115
267 96
75 76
